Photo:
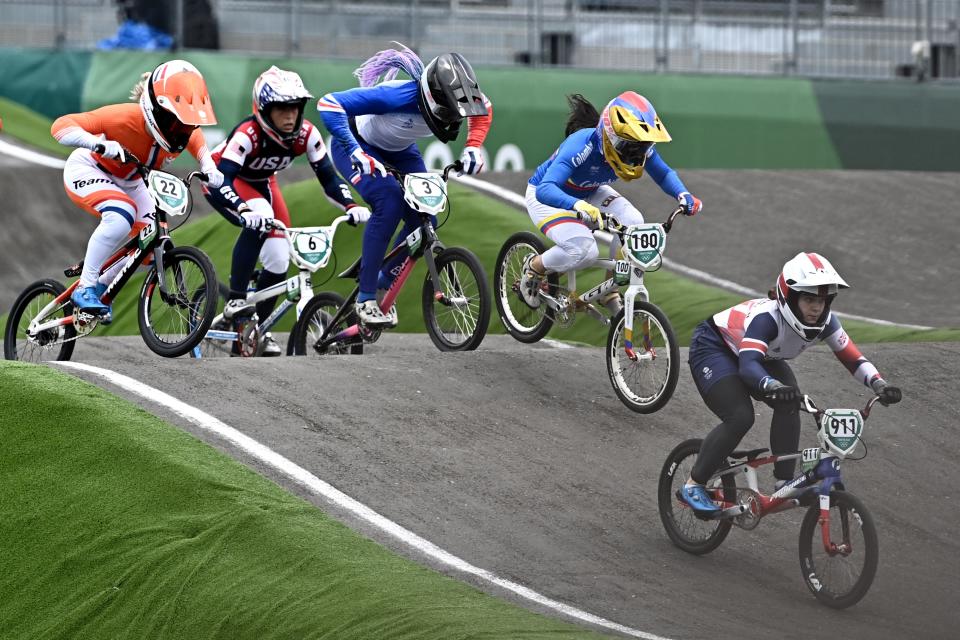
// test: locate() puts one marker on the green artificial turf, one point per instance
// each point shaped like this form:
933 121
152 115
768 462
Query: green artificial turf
114 523
30 127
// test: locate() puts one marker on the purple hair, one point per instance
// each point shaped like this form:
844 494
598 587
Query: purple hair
386 64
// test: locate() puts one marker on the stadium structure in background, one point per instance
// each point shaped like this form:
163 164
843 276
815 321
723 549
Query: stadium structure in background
870 39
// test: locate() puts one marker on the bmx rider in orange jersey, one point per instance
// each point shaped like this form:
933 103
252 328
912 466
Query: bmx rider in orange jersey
171 103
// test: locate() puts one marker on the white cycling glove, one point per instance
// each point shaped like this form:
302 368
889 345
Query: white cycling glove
214 178
255 220
357 214
366 164
110 149
472 160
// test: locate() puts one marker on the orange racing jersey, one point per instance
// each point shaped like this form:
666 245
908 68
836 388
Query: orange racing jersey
122 123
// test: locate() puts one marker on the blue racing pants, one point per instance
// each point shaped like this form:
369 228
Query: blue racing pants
387 208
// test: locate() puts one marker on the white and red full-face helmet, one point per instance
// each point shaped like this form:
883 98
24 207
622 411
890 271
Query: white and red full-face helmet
276 86
174 102
807 273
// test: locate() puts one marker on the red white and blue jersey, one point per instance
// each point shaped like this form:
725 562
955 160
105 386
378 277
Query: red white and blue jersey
577 169
259 156
755 331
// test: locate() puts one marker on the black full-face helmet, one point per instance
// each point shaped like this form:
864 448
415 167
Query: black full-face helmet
449 93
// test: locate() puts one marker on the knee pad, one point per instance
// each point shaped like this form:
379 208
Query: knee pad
274 255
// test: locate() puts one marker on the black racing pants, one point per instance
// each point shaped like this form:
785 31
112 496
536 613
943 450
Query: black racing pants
732 402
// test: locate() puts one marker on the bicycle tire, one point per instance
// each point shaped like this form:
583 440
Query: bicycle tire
676 469
847 510
319 311
470 321
21 306
626 382
193 322
510 304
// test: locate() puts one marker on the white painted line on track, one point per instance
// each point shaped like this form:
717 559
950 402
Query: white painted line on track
30 156
300 475
703 276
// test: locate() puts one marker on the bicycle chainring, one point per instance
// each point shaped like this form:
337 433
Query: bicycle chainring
84 323
750 518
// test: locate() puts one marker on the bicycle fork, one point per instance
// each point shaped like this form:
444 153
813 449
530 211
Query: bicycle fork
636 288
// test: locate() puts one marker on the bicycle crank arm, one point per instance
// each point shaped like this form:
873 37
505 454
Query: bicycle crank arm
732 512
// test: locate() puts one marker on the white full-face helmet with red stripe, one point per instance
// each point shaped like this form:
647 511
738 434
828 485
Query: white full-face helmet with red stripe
813 274
175 101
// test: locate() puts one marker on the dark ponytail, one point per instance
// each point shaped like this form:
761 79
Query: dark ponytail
583 115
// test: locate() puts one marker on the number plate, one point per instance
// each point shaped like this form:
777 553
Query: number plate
621 272
425 192
147 234
644 244
313 245
840 430
169 192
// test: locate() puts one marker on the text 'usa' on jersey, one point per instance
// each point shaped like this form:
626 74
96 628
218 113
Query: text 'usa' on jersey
259 156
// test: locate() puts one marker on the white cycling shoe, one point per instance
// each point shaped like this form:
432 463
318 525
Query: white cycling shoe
369 314
530 282
391 313
236 307
271 348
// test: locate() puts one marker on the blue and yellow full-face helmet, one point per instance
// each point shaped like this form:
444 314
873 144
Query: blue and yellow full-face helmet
629 127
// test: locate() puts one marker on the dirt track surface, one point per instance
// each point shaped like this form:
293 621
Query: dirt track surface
893 235
522 461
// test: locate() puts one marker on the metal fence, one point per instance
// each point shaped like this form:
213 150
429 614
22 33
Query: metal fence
819 38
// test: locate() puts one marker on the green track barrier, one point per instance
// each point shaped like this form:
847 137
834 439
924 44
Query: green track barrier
716 121
877 125
49 82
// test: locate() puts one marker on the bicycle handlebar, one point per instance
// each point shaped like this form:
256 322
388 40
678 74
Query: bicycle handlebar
612 224
807 405
453 166
143 170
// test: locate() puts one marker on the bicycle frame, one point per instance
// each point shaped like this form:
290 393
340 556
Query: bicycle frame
625 273
421 242
297 288
820 479
147 244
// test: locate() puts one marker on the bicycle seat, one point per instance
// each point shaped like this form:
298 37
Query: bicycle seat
353 271
749 454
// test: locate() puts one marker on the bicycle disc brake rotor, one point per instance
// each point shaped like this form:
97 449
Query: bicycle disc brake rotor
750 518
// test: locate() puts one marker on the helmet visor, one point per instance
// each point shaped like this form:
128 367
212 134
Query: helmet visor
177 133
632 152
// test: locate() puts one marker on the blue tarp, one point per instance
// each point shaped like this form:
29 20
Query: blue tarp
137 35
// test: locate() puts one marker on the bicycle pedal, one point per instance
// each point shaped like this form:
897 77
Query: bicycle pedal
74 270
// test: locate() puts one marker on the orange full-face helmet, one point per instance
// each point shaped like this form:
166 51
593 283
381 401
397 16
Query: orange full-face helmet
174 103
